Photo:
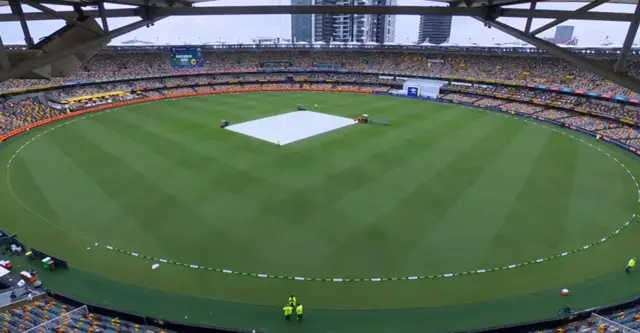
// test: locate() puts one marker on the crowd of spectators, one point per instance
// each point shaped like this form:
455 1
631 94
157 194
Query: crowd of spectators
18 113
616 130
490 102
634 142
590 123
550 98
603 107
178 91
521 107
71 92
204 89
631 112
89 90
152 93
624 132
521 94
460 98
549 71
555 114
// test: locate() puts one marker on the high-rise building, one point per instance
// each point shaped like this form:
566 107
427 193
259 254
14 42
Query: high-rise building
302 24
351 27
384 26
358 28
435 29
323 24
564 34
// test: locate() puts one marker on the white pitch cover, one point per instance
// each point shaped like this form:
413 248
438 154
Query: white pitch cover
290 127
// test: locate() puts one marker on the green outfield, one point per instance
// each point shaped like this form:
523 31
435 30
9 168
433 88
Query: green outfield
450 218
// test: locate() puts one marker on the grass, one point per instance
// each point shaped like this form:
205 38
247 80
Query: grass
445 189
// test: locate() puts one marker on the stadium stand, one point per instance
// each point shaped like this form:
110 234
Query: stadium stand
555 114
590 123
522 107
615 322
460 98
46 315
111 64
19 112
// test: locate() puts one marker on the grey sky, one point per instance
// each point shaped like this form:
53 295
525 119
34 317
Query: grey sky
200 29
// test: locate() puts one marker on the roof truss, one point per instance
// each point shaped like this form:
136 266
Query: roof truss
496 11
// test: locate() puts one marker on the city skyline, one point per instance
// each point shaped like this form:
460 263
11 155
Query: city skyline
233 29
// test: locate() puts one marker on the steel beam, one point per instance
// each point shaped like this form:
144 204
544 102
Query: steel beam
103 16
65 3
39 16
393 10
337 9
153 3
69 21
573 58
44 60
16 9
569 15
532 8
76 8
4 58
628 41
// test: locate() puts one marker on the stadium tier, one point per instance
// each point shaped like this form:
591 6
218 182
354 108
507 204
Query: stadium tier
521 70
47 315
543 91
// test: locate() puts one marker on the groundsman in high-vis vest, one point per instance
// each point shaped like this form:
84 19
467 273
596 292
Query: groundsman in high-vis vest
631 264
299 311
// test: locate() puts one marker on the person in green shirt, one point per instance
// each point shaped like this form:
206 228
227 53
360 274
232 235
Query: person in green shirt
299 311
287 310
631 264
293 301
